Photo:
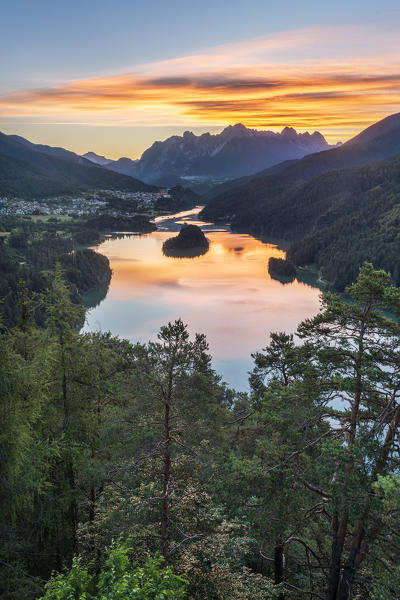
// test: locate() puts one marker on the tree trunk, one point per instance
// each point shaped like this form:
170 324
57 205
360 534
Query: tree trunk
351 564
338 531
334 572
279 567
92 503
73 508
166 482
346 583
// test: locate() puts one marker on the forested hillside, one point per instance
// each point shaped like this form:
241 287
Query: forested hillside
353 222
131 471
29 251
339 220
35 171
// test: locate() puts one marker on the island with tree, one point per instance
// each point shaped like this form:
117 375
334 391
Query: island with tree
190 242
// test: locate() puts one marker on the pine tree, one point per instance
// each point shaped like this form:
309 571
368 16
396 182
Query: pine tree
347 370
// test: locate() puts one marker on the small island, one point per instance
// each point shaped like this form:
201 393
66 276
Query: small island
281 269
190 242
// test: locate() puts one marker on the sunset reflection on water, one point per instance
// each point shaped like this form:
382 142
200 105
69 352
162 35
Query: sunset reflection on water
227 294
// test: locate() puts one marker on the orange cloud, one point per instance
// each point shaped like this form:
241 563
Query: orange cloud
265 82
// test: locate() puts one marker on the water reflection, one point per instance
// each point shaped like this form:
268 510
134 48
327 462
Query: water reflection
226 294
283 280
188 253
95 297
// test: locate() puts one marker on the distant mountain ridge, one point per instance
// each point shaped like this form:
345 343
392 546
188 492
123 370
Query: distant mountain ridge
242 201
386 126
54 151
36 171
98 159
236 151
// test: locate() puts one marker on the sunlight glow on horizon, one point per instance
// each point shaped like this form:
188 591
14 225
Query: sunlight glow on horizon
265 83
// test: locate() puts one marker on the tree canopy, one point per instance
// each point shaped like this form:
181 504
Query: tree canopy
132 471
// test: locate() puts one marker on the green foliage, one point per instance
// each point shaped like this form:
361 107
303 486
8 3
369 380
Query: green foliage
87 270
23 392
116 580
178 408
32 251
387 585
135 224
291 489
72 585
62 316
318 438
278 267
217 567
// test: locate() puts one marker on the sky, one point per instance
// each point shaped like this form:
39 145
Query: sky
113 77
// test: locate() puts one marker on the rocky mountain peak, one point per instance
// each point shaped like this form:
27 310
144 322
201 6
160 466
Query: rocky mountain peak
235 131
188 135
289 133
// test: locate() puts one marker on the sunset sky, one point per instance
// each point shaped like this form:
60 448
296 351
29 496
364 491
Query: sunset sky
113 77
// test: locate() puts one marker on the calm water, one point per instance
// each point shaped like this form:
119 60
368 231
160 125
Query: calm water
226 294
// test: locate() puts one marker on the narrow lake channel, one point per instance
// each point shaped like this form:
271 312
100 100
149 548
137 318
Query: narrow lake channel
226 293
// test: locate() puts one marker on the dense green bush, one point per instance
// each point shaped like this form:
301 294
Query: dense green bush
116 580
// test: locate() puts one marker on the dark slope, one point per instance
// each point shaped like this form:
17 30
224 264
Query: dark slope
382 127
241 204
341 219
362 223
35 171
54 151
240 181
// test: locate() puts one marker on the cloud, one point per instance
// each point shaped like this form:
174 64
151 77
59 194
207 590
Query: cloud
264 82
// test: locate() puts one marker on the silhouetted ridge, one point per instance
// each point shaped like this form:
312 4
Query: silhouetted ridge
37 171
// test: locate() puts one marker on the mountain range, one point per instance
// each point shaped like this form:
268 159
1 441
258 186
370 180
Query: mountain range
36 171
337 208
199 161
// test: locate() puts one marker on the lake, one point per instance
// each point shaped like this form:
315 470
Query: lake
226 293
